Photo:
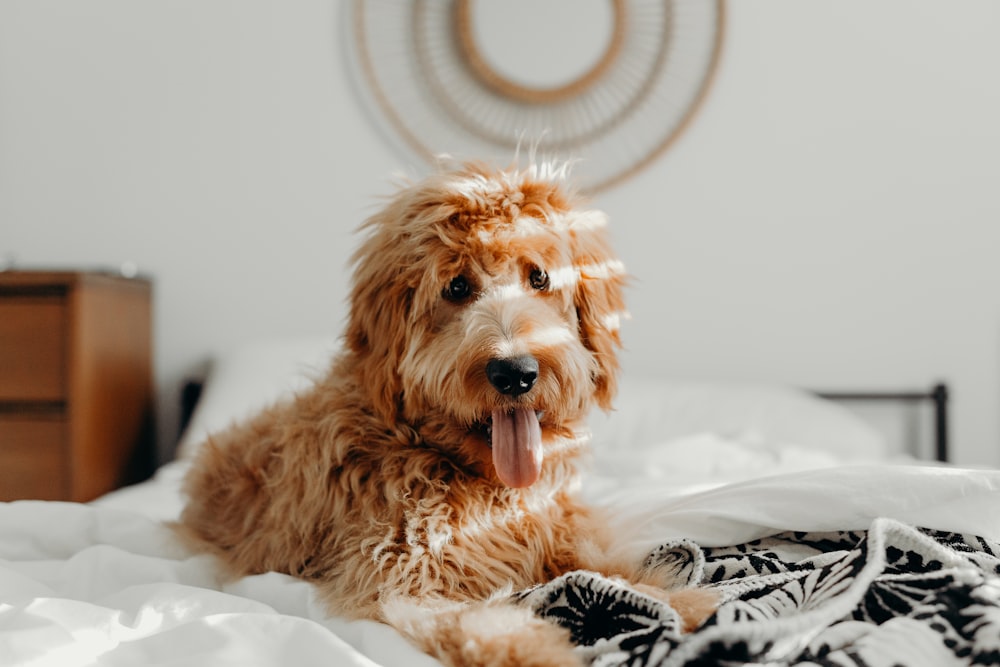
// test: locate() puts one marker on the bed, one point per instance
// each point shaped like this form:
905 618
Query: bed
826 547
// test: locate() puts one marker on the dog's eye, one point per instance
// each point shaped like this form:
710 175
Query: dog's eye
538 279
458 289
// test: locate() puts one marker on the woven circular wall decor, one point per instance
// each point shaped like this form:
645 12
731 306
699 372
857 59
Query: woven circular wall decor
608 84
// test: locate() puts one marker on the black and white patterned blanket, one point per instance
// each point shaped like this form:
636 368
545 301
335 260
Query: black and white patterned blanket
891 595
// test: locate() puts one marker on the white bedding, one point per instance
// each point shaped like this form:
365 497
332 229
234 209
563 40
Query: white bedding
108 584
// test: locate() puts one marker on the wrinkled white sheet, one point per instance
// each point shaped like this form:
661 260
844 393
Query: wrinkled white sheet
93 585
107 584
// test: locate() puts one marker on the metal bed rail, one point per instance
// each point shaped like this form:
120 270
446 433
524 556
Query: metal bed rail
938 396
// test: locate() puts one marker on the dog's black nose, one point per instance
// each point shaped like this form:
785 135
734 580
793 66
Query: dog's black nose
513 376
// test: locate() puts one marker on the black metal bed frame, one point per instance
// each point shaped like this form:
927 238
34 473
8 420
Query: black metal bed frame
938 395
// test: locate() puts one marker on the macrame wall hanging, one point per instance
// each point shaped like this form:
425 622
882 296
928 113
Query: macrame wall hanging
608 84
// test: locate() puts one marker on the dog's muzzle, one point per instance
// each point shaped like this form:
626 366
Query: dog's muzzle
515 434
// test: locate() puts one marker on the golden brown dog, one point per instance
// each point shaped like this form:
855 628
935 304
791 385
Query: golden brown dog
435 465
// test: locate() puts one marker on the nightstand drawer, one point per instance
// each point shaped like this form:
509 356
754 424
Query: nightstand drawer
33 458
32 349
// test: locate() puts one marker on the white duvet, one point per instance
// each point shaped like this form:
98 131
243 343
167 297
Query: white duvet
107 584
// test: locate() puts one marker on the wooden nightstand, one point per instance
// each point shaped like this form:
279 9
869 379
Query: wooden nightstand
76 391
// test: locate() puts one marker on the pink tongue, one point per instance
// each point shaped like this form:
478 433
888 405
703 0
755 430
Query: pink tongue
517 447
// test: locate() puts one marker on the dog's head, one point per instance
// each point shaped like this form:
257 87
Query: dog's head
485 312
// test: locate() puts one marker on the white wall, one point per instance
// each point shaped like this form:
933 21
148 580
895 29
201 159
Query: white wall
831 218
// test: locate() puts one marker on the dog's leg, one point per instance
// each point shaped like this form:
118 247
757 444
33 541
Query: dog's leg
481 634
694 605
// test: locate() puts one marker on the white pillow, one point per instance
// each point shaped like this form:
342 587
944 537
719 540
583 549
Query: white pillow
251 376
651 411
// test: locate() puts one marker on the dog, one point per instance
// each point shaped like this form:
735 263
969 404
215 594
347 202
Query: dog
434 468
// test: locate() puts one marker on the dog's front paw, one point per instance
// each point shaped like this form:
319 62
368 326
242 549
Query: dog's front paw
505 636
694 606
489 634
671 573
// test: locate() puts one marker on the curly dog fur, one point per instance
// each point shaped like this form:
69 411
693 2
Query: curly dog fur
435 465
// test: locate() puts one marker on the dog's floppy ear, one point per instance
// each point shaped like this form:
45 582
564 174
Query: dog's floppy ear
600 301
380 304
